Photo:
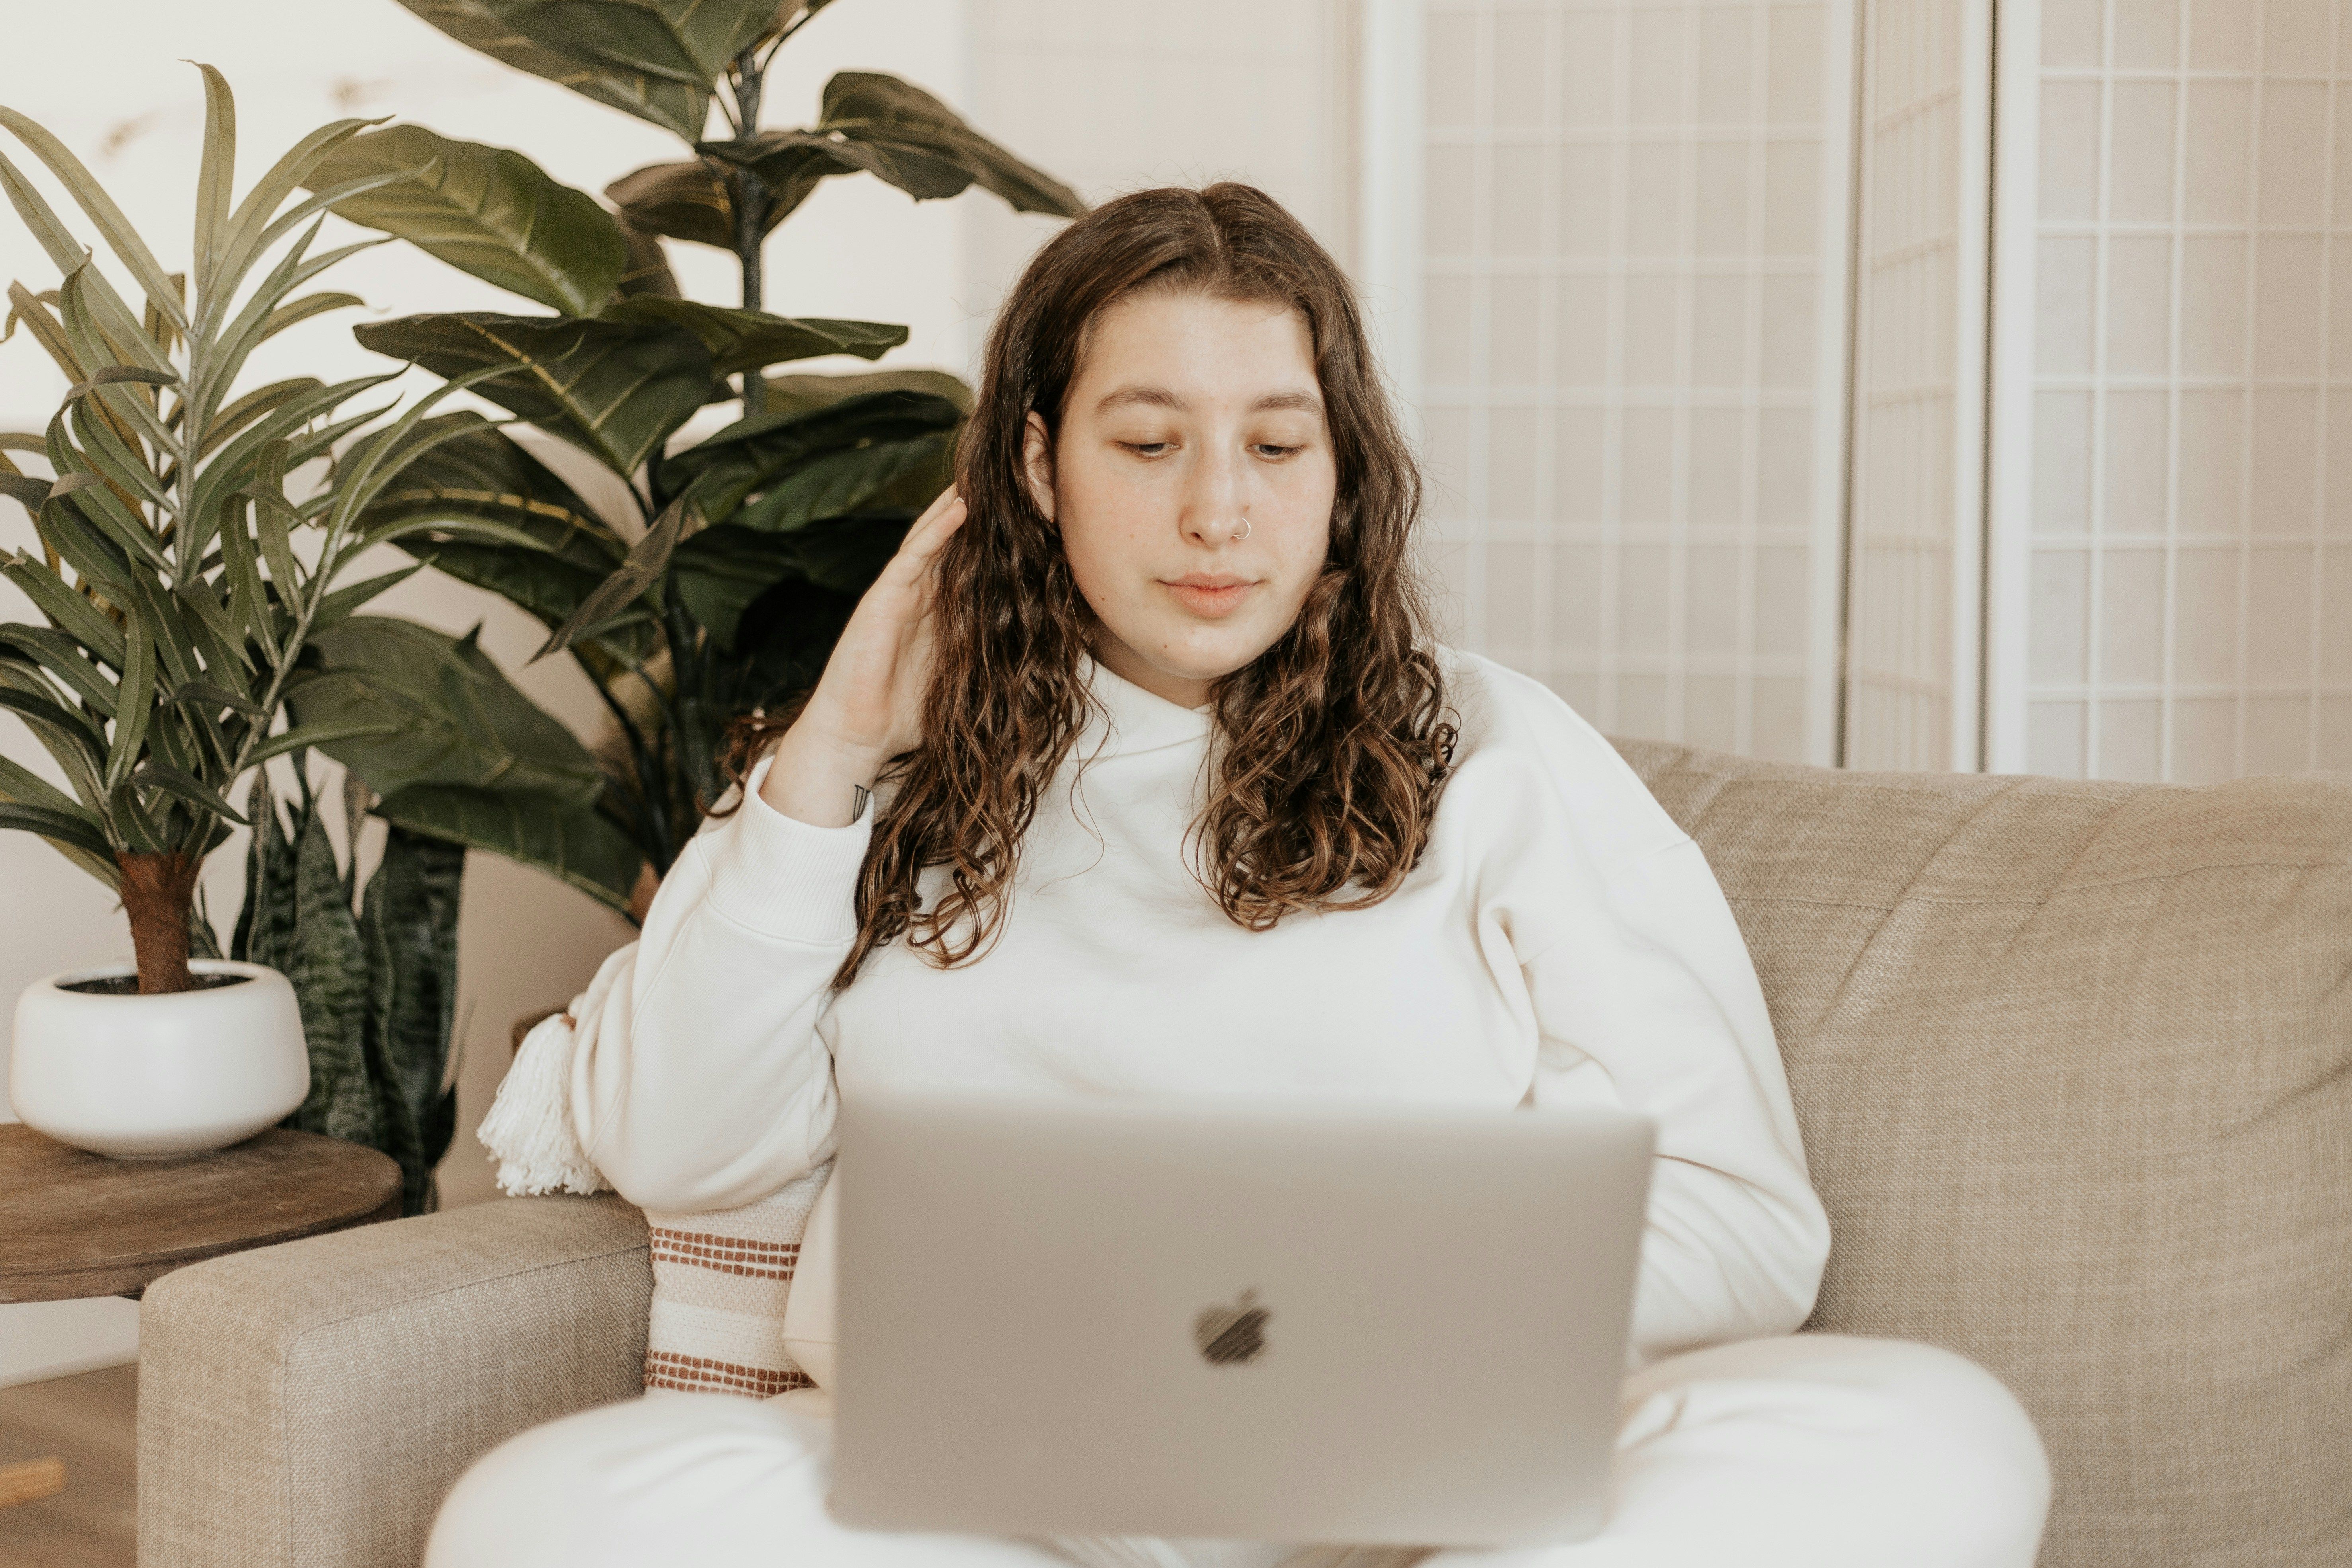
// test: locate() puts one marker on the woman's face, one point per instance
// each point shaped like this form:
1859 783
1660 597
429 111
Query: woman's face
1192 484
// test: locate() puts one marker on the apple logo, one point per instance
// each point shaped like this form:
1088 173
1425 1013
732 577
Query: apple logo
1230 1334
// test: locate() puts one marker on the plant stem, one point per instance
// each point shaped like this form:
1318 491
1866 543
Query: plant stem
159 896
751 194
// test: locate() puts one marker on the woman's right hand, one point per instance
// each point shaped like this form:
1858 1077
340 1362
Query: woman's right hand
869 704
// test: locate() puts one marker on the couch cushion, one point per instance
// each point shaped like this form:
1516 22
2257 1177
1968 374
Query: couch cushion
2073 1063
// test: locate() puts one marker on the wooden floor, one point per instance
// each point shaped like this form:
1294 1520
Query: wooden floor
87 1421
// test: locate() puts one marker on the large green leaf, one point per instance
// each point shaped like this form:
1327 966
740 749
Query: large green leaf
742 339
801 394
888 474
754 455
616 389
473 472
483 477
554 833
459 720
646 271
484 210
722 571
899 133
692 41
504 30
617 593
684 201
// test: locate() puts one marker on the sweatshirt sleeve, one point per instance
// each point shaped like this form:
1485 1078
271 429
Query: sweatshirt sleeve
1644 998
701 1076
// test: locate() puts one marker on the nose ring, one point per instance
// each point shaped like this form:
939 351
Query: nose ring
1245 532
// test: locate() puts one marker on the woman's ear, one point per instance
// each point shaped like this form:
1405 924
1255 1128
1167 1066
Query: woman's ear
1037 462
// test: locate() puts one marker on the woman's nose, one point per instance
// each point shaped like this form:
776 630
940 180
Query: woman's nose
1215 496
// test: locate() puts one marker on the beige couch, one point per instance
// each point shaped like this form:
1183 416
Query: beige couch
2074 1067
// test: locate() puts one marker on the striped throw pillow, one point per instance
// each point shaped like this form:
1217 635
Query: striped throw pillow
721 1278
721 1281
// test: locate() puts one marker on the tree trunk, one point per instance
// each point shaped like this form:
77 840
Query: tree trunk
159 894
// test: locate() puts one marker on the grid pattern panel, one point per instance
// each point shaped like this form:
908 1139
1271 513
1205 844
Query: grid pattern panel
2190 570
1632 364
1916 495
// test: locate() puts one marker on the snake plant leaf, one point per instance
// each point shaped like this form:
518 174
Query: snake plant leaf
768 450
486 211
502 29
646 271
459 720
900 135
641 569
555 833
742 339
264 932
683 201
327 964
408 924
614 389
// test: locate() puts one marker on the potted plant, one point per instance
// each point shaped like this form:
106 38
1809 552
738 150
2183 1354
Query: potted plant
750 547
185 574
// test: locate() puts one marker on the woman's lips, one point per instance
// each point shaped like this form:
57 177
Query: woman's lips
1204 600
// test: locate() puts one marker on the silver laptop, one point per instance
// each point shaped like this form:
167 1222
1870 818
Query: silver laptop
1231 1319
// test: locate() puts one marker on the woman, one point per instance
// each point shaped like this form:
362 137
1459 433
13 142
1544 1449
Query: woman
1173 792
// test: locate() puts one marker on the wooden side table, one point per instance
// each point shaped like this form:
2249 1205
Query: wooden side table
74 1224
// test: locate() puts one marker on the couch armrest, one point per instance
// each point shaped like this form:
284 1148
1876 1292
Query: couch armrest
308 1405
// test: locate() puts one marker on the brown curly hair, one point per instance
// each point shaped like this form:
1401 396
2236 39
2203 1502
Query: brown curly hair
1335 743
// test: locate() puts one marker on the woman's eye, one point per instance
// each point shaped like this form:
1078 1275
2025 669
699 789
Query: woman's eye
1268 449
1146 448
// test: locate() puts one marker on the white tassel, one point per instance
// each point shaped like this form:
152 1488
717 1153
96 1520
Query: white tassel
529 1128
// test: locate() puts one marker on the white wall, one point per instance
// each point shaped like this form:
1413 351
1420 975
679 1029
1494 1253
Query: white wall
858 249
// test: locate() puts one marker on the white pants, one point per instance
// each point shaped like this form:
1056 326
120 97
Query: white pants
1822 1450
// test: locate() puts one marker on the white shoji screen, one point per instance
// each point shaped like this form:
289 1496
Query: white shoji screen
2178 553
1914 587
1632 365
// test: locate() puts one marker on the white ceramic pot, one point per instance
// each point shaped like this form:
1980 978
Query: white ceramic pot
158 1075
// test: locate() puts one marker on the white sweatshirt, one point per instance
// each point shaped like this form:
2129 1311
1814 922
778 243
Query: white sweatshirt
1561 943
